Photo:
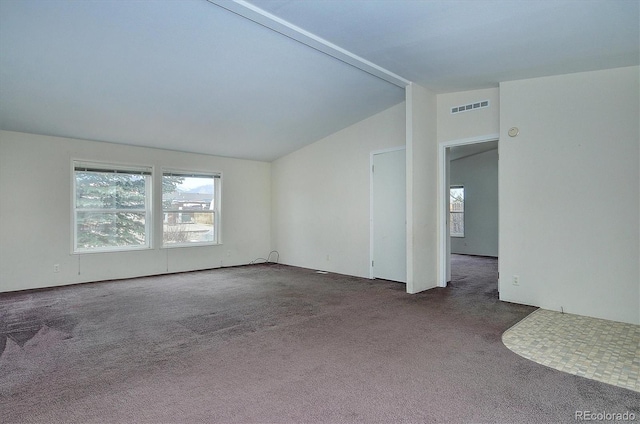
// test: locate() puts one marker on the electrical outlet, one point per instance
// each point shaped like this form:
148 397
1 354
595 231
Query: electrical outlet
516 280
328 257
56 267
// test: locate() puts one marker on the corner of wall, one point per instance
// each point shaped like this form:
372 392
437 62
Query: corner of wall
422 189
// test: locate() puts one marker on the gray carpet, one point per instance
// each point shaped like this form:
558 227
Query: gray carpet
272 343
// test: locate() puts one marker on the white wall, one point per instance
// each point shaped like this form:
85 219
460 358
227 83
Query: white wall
569 193
320 196
35 213
470 124
422 189
479 175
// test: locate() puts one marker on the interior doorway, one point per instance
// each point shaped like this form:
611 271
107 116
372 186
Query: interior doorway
467 238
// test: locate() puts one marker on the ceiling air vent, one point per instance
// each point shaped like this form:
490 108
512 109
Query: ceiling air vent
471 106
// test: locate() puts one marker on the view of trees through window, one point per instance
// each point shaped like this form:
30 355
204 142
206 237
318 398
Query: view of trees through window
456 211
111 208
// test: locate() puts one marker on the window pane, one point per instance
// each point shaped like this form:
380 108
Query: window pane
190 209
456 211
456 201
108 190
97 230
193 193
111 208
189 227
457 224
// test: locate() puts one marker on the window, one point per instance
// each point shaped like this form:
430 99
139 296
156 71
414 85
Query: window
191 208
112 208
456 211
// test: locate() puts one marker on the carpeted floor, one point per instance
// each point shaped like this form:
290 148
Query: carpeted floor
272 343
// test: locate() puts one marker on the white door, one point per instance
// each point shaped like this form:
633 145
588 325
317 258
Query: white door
389 250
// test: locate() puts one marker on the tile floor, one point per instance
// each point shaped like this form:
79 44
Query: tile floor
598 349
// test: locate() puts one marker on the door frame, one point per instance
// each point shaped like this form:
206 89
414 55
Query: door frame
371 155
443 192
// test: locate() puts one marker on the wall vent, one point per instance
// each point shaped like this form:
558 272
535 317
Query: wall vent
471 106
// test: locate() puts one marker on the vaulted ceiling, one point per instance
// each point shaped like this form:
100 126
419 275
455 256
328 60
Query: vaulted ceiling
457 45
260 79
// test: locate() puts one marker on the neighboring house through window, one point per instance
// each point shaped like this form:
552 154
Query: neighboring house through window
191 208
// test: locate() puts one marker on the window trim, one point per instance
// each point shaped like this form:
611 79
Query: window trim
115 167
217 211
463 212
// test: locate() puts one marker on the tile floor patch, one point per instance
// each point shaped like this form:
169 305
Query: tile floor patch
598 349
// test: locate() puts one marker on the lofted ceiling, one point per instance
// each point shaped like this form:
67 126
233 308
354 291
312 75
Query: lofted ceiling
458 45
239 79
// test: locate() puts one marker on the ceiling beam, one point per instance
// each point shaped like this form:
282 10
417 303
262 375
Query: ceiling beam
266 19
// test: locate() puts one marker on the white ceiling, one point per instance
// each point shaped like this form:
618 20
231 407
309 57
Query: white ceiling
193 76
457 45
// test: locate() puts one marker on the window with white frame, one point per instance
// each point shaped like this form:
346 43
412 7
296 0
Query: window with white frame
191 208
112 207
456 211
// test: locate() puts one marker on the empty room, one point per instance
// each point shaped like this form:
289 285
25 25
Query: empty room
281 211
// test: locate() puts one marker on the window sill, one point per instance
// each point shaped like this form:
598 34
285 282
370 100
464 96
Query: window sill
111 250
178 245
